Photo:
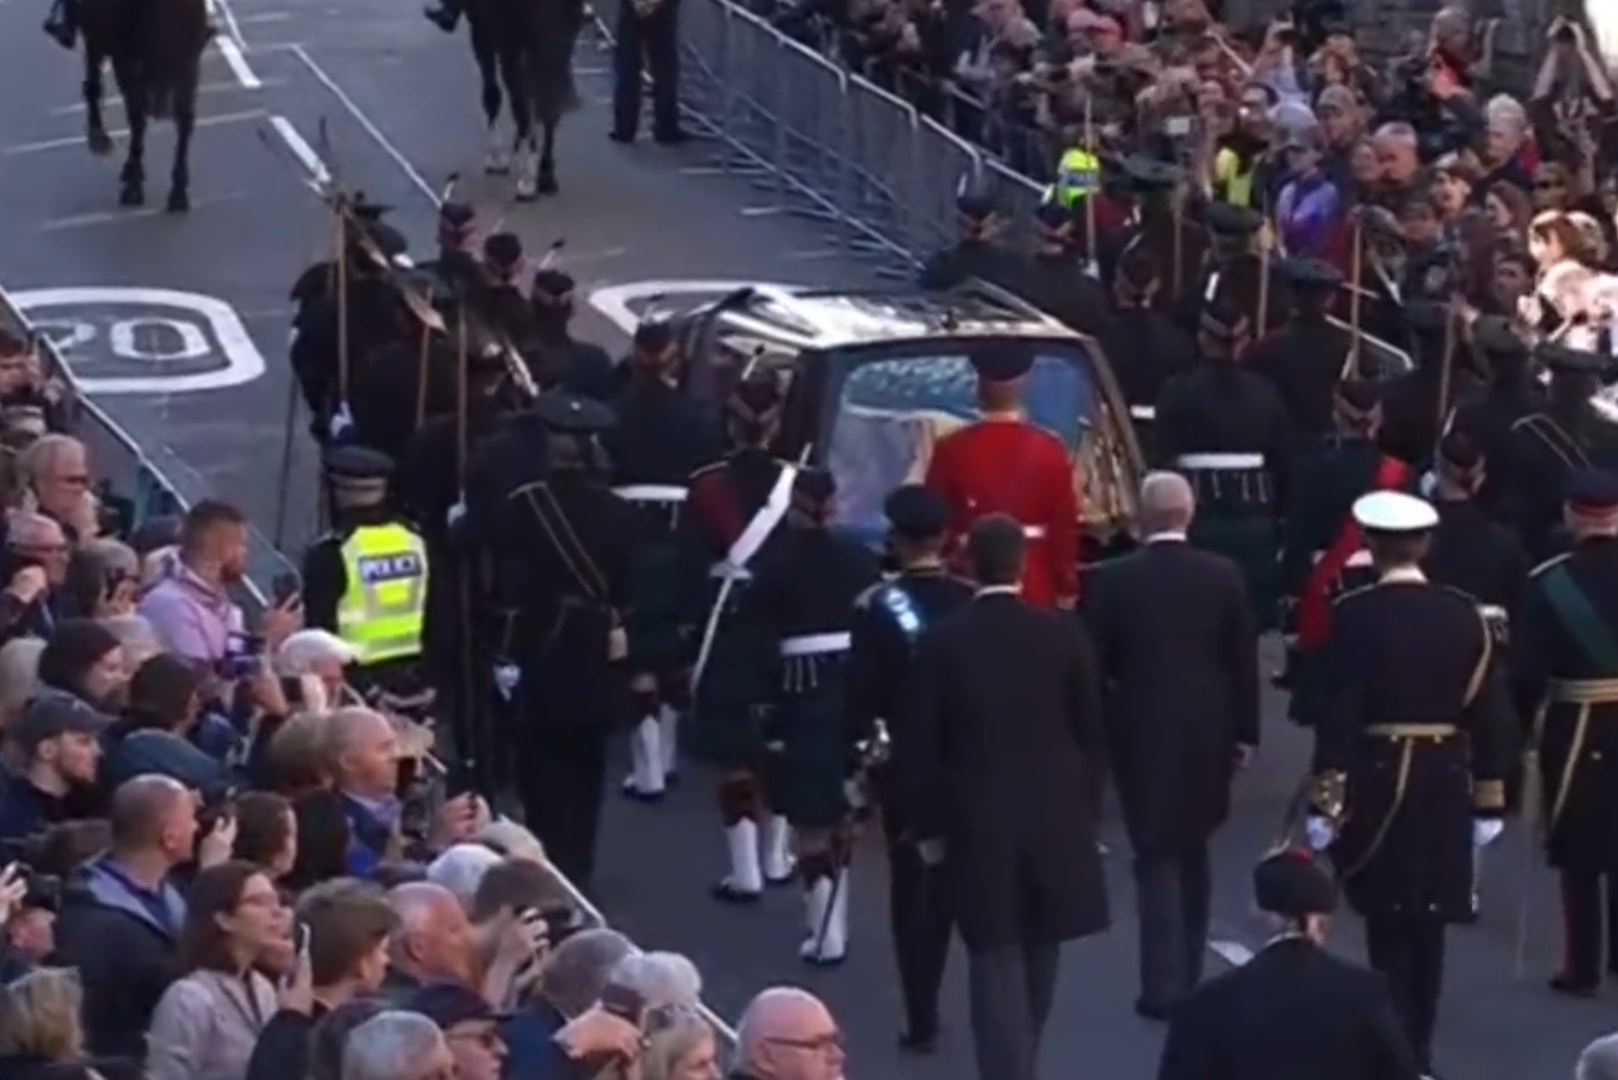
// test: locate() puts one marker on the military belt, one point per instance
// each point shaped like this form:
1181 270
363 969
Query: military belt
816 645
1220 462
1583 692
1145 413
1358 561
1405 732
651 493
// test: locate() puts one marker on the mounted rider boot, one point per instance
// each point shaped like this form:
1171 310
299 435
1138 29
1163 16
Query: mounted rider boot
445 15
62 25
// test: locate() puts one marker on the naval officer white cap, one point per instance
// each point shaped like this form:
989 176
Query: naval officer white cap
1394 512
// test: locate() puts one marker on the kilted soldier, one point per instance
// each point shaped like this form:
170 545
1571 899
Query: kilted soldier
1411 744
803 591
1227 430
1564 673
732 509
660 439
889 618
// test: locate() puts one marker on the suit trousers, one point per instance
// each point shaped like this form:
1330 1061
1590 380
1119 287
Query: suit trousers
921 922
1173 896
1011 989
1409 952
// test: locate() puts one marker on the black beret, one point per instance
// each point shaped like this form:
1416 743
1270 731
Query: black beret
917 512
1002 361
1293 885
553 282
1593 492
502 250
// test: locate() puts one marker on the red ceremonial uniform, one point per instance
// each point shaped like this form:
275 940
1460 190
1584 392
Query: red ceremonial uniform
1001 466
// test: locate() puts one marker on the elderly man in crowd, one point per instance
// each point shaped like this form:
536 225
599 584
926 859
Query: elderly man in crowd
56 470
788 1034
397 1045
314 662
36 562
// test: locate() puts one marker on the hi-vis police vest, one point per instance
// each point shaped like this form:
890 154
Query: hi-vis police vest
381 614
1078 173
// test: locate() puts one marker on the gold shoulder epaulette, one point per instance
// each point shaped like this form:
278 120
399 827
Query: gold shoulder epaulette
1548 563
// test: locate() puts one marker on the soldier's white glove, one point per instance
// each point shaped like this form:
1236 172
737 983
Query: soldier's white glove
455 513
507 677
1486 831
341 420
1429 484
1320 832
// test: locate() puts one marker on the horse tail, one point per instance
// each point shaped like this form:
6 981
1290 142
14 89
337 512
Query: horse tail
178 32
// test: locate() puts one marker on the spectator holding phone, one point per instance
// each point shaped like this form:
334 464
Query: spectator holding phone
34 566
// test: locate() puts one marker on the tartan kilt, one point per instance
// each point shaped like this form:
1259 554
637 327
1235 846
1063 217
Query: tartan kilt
809 756
655 621
1250 541
737 690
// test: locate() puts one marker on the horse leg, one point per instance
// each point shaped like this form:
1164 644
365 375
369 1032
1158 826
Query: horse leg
95 126
496 155
132 178
547 158
522 118
185 122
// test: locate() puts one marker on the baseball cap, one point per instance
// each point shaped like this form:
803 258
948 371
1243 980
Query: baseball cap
448 1004
52 714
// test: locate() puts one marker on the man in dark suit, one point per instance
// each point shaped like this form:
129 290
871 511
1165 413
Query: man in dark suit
1176 646
1295 1009
1000 782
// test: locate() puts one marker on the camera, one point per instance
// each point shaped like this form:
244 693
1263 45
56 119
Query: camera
242 655
216 806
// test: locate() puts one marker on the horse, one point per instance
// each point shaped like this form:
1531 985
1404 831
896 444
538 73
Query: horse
155 49
524 53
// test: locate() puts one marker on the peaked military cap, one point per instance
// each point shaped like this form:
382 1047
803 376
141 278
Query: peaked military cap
553 283
1562 360
1002 361
1394 512
917 512
1226 219
1305 274
502 250
1459 452
1495 336
1592 492
1150 174
570 414
1293 885
358 473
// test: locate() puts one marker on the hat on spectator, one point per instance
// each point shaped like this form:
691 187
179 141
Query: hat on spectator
358 475
151 752
52 714
1149 174
1337 98
917 512
1227 219
1002 361
1592 494
1494 335
1305 275
1293 885
449 1004
570 414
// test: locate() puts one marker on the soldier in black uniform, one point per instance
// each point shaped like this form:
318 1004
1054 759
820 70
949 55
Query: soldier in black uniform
1054 278
1511 393
1177 244
1411 747
1471 551
1568 432
1234 270
977 253
1145 347
1226 428
566 545
804 587
661 438
648 32
1305 359
455 268
503 302
1412 414
357 478
1293 998
1564 673
733 508
565 363
888 620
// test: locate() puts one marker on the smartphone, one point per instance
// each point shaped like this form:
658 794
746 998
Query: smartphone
284 587
1177 126
623 1002
300 938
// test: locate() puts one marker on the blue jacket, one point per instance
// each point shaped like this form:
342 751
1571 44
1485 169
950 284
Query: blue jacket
25 810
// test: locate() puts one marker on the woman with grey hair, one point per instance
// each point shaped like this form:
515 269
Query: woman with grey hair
680 1045
137 637
662 979
103 578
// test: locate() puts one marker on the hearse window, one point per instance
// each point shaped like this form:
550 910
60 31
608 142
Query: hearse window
890 413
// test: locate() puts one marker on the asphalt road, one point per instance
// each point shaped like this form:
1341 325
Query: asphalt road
370 91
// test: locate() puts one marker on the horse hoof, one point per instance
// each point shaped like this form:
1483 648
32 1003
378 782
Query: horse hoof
100 142
132 195
547 184
179 202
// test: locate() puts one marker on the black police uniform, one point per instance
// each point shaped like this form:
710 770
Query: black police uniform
1305 358
804 586
1294 1008
1564 672
1567 433
1412 738
889 619
566 547
1227 430
358 477
647 31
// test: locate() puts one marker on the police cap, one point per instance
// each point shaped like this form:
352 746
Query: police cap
1494 335
1227 219
1592 493
1459 453
502 250
1563 360
1310 274
1002 361
1143 174
1293 885
358 475
570 414
917 512
553 284
1394 513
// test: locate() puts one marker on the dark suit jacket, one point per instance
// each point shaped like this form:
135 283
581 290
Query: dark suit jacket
1003 756
1294 1010
1175 643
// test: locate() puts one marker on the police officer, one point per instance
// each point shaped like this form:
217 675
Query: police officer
1411 748
366 580
1566 433
1305 359
888 620
1564 673
566 547
1148 347
733 508
649 31
1054 279
661 438
977 253
804 588
1227 430
566 363
1294 1007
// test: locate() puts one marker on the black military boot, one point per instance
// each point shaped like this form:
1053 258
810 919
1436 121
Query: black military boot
444 16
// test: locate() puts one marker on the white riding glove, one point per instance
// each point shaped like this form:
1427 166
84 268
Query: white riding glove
1320 832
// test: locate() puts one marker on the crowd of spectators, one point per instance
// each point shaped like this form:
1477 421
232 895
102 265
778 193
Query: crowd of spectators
211 870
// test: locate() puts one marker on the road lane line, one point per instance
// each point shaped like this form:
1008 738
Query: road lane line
237 63
301 149
123 133
114 101
364 122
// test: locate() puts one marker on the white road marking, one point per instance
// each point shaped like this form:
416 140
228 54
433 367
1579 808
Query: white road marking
301 149
259 18
123 133
92 316
113 217
114 101
237 62
222 8
614 301
364 121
